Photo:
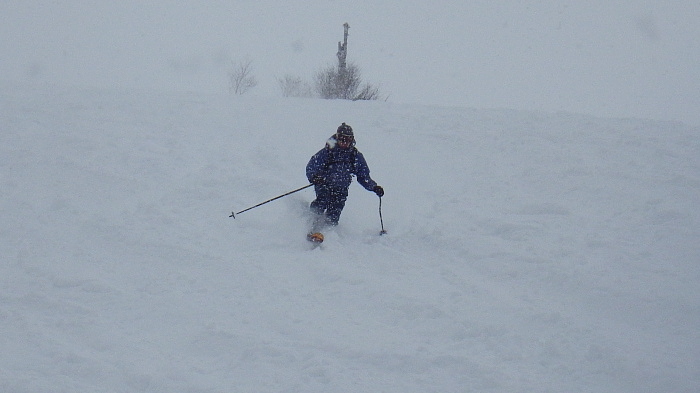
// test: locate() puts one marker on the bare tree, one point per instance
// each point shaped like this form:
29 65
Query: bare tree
343 48
240 78
345 81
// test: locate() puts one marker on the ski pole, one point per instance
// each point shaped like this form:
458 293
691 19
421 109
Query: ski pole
381 220
270 200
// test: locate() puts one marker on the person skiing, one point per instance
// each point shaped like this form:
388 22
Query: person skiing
331 169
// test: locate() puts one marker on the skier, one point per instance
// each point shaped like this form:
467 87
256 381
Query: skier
331 170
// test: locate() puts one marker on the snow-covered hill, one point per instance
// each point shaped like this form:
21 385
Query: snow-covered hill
527 252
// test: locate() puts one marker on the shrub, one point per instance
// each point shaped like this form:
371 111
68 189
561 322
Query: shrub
344 83
294 86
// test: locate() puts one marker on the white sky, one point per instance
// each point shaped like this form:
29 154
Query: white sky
609 58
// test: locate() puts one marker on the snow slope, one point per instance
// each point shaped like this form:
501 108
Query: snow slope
527 252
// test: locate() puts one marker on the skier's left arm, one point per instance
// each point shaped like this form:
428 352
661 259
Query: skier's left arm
363 177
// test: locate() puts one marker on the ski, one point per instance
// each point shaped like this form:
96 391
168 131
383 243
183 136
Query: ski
315 237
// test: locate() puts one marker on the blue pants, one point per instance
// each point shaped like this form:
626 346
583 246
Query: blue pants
329 201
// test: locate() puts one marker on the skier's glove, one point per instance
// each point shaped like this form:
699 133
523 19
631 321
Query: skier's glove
318 180
379 191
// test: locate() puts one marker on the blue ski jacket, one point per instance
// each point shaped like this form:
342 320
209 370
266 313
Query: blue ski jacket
336 166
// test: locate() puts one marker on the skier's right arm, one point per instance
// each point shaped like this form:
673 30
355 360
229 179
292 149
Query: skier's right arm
315 167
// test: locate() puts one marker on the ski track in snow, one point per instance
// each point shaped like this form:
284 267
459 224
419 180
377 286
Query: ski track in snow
527 252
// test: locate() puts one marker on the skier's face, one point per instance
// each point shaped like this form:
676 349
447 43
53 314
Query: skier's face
344 141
